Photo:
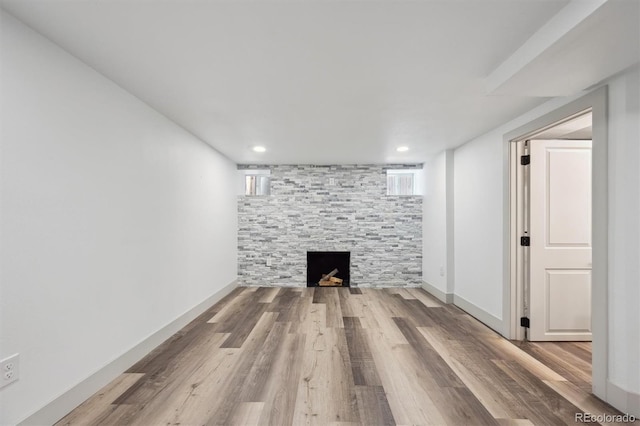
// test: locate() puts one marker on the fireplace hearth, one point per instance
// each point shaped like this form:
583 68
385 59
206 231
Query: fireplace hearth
324 263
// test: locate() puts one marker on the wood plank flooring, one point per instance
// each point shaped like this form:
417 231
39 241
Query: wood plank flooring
344 356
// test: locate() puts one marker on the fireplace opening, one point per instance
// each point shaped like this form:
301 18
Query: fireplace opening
322 265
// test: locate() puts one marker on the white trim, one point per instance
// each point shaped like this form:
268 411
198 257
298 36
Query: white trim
597 102
437 293
491 321
450 215
62 405
514 293
625 401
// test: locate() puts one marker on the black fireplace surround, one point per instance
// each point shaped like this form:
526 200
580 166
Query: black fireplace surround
323 262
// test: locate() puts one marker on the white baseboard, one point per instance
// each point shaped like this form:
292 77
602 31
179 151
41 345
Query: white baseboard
437 293
62 405
480 314
625 401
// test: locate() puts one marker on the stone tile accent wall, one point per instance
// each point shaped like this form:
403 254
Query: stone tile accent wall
307 211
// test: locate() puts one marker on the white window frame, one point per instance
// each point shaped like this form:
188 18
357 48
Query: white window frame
416 176
259 175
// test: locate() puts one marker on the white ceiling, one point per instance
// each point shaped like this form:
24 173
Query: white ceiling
330 82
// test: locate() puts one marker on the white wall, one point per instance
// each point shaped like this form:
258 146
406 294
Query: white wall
437 225
624 232
480 181
115 221
478 222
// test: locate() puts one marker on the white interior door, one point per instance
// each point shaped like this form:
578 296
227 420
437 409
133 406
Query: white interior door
560 230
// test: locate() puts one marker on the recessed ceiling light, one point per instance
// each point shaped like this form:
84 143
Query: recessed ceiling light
259 148
402 149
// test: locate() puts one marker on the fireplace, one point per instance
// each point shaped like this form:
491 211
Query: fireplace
321 263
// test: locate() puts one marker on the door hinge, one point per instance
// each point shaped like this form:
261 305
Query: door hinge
525 160
525 241
524 322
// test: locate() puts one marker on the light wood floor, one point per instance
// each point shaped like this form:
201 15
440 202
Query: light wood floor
340 356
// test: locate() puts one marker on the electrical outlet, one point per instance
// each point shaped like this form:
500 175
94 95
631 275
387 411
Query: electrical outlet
9 369
442 271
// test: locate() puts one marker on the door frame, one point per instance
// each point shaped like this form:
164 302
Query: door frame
596 102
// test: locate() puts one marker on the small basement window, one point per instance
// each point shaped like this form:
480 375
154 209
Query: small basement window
403 182
255 182
256 185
